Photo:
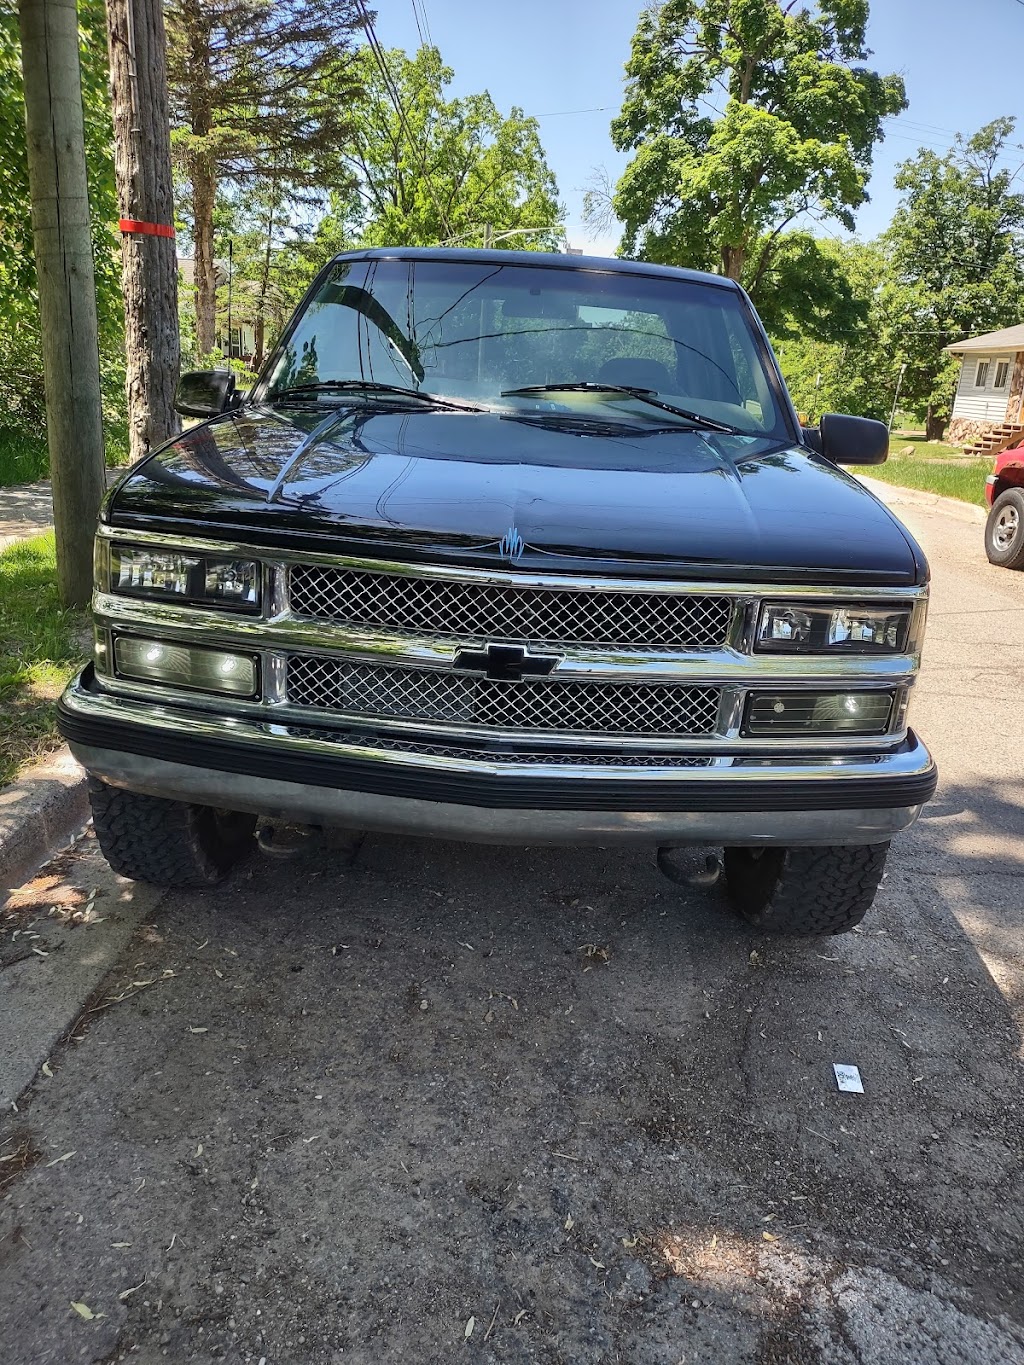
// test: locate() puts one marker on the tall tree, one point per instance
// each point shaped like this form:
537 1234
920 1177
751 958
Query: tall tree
745 118
430 169
260 89
955 254
149 268
55 135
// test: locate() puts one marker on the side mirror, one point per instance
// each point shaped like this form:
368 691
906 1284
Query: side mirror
205 393
852 440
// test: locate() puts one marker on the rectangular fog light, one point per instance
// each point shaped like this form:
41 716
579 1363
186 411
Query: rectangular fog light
206 670
818 713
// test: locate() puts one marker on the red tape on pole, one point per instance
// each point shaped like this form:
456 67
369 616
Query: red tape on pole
133 225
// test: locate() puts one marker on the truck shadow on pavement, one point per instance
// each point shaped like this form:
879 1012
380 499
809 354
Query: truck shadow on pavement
415 1101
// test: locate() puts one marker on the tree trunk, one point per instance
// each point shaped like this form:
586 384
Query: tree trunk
733 261
67 294
260 327
934 425
204 191
142 163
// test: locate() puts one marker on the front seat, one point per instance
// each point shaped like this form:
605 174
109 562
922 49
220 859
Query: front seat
637 373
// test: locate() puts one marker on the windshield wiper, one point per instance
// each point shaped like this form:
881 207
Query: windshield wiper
634 391
370 386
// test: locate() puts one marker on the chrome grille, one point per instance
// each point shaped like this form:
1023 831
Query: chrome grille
487 611
458 698
540 757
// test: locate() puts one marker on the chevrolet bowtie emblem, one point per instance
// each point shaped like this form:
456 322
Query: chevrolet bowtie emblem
505 663
511 545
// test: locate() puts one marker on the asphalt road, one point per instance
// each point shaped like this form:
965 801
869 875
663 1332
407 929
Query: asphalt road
404 1102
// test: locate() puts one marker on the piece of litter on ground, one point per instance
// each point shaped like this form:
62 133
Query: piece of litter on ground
848 1078
46 1069
768 1237
58 1159
469 1327
126 1293
83 1310
197 1030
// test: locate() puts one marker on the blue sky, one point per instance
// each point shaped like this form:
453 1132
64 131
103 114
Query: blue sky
961 63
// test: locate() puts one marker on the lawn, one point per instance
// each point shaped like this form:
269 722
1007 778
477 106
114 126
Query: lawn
41 645
24 458
937 468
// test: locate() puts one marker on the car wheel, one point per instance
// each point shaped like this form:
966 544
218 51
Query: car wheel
804 891
1004 530
167 843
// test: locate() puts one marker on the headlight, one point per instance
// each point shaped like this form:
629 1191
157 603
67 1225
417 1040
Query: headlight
818 713
202 579
788 628
173 665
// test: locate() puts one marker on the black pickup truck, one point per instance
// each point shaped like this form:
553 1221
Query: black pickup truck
515 548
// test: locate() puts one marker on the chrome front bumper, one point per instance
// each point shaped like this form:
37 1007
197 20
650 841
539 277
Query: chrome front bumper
334 777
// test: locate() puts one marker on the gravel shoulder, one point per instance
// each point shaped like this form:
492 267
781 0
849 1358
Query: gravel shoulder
398 1101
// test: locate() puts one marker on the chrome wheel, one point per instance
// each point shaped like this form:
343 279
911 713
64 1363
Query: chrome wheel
1006 527
1004 530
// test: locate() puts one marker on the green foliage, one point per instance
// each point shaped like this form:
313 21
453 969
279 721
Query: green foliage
261 95
745 117
955 255
853 373
444 171
22 401
40 647
951 265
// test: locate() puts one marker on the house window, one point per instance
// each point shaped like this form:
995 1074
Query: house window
235 346
1002 374
981 374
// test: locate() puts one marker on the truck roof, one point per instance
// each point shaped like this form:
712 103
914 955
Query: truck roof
543 259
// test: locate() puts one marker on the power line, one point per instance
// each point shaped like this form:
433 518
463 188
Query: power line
419 26
396 100
599 109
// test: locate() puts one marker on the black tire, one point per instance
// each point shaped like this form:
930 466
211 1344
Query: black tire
804 891
167 843
1004 530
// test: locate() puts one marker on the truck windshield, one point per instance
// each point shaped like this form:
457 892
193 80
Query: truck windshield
527 339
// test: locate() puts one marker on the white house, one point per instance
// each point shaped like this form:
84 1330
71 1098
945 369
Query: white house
987 410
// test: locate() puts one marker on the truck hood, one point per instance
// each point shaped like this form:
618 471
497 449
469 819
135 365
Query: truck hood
439 485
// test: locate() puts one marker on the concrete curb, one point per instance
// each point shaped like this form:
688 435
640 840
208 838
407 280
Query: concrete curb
40 814
893 494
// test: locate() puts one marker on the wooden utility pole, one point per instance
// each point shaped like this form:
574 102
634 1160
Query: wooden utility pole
142 165
67 294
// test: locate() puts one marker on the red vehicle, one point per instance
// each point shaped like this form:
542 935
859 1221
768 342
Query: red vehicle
1004 491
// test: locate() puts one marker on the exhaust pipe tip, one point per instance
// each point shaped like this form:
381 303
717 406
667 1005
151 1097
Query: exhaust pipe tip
705 879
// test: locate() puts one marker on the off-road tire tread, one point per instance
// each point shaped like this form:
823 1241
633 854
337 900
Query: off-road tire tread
1015 558
167 843
811 892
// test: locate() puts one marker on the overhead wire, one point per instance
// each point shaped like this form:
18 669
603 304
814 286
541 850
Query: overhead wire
396 100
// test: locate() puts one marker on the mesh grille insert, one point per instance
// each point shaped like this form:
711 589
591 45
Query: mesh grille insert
455 698
545 757
485 611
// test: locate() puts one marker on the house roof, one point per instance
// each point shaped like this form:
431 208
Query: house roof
1009 339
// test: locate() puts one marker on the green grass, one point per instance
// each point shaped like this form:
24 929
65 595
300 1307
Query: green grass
24 457
41 645
937 468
